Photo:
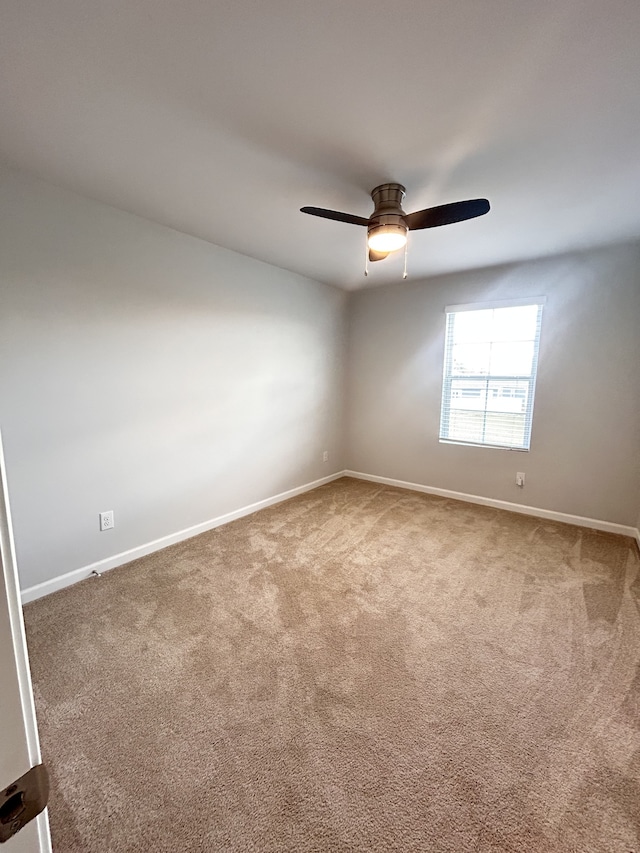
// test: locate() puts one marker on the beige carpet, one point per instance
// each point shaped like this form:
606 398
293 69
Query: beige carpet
359 669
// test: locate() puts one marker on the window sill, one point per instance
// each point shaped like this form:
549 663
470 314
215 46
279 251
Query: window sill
487 446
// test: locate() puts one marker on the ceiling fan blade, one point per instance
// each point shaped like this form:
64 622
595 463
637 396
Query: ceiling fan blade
445 214
377 256
334 214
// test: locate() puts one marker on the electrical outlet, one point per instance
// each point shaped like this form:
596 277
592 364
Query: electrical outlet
520 479
106 520
325 456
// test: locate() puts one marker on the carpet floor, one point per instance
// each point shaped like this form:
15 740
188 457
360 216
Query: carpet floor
361 668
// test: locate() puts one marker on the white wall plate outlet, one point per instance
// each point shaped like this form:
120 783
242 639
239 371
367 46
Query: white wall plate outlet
106 520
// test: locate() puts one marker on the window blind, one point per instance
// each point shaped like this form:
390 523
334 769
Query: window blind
490 364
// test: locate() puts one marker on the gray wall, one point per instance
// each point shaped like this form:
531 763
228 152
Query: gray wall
585 449
150 373
172 381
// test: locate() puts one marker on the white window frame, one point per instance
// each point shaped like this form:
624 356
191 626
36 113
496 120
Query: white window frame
448 375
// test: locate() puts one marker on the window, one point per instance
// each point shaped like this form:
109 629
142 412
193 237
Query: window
490 361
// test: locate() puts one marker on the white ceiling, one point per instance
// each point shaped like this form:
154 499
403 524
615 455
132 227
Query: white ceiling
222 119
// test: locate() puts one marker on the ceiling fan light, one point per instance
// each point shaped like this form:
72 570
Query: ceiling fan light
387 238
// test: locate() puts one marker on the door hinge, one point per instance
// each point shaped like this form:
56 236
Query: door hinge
23 800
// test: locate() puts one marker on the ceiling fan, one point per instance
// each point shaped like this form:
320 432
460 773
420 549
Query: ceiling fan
388 225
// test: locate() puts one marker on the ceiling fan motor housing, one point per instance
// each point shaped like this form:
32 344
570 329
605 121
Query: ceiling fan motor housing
388 215
388 198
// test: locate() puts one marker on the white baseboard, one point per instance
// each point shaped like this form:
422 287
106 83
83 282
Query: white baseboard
47 587
54 584
579 520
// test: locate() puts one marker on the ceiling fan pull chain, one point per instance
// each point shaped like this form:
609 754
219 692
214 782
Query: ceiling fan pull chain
366 257
406 247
